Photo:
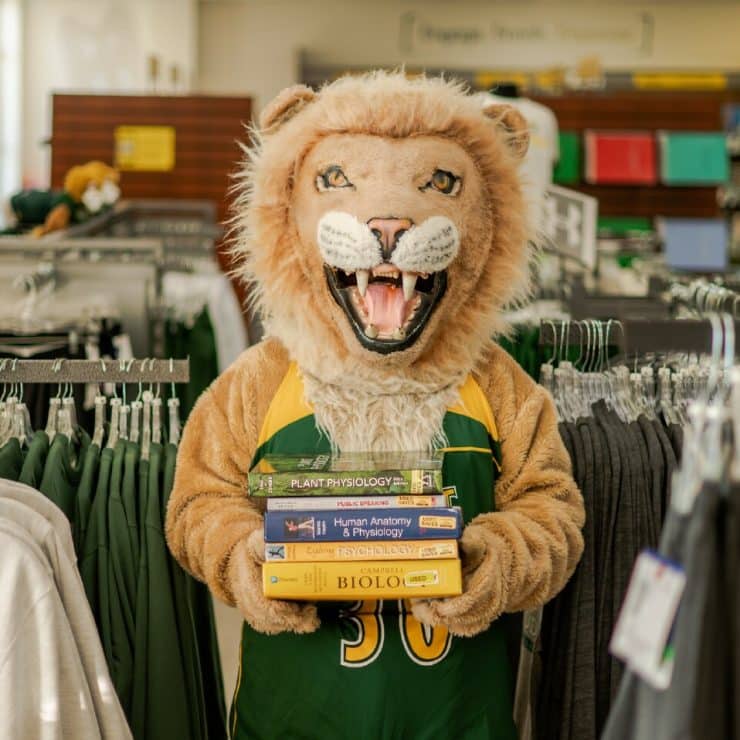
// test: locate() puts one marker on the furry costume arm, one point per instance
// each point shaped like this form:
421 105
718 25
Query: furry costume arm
213 529
521 555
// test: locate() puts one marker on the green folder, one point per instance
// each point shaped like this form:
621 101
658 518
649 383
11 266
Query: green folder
693 158
568 169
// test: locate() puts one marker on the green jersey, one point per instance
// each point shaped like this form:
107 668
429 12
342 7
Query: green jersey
169 714
85 495
33 466
63 470
11 459
122 583
94 557
372 671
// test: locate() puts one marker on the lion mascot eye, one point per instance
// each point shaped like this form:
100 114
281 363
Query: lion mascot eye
332 178
444 182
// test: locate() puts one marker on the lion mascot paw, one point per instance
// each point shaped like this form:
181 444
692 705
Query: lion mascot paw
484 558
269 616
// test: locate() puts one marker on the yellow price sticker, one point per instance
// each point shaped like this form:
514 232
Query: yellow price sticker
422 578
438 522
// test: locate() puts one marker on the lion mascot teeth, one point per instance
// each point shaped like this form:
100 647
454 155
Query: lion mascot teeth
381 226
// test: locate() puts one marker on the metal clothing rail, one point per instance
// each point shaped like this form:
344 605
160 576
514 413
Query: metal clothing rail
641 336
52 247
94 371
585 305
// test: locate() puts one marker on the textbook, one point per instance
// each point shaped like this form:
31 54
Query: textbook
324 503
308 552
693 158
349 581
430 523
621 157
346 473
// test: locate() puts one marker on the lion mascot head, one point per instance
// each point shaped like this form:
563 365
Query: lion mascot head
381 225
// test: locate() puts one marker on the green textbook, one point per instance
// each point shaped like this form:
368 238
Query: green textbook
347 474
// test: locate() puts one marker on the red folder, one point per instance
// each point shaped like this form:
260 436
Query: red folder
621 158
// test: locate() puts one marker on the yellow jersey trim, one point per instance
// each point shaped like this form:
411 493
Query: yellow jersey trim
474 404
288 406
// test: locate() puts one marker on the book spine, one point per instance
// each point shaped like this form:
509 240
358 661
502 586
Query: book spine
336 503
350 581
371 524
313 552
342 484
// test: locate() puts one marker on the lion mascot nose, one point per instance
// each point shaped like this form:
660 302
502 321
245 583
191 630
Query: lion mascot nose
388 231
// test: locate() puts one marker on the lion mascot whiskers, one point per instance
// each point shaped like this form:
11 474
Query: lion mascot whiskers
382 223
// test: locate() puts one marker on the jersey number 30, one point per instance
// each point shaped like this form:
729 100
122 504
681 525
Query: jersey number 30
426 646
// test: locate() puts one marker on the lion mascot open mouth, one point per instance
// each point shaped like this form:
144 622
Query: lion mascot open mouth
381 227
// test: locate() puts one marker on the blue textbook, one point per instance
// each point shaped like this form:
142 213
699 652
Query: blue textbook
371 524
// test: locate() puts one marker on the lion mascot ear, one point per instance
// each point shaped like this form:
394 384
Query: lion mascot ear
287 103
513 124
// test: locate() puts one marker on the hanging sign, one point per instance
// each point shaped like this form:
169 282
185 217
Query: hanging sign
569 222
145 148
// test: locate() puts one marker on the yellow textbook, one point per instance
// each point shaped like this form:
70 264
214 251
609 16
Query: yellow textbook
352 580
309 552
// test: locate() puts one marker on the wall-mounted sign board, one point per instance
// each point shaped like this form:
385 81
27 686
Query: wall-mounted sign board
144 148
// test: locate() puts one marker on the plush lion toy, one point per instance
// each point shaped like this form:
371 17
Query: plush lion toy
383 224
88 189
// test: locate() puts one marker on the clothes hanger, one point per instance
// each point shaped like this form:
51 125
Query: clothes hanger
717 461
115 413
100 404
173 406
702 431
68 405
124 412
546 369
157 415
10 403
146 440
64 415
561 376
136 407
735 412
3 411
20 419
23 416
7 423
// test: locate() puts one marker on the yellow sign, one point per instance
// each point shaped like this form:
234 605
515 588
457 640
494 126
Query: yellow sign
679 81
145 148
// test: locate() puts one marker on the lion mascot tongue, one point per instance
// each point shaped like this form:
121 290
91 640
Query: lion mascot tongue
381 224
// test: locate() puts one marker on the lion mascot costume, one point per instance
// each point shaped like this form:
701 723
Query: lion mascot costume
382 223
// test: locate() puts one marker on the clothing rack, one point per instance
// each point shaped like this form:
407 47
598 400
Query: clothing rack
94 371
582 304
640 336
84 254
702 296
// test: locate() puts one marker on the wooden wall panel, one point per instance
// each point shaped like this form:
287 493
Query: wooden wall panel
207 132
651 111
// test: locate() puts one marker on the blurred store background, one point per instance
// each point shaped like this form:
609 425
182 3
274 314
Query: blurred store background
634 161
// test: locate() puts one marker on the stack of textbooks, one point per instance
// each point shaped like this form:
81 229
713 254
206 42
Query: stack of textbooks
357 526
